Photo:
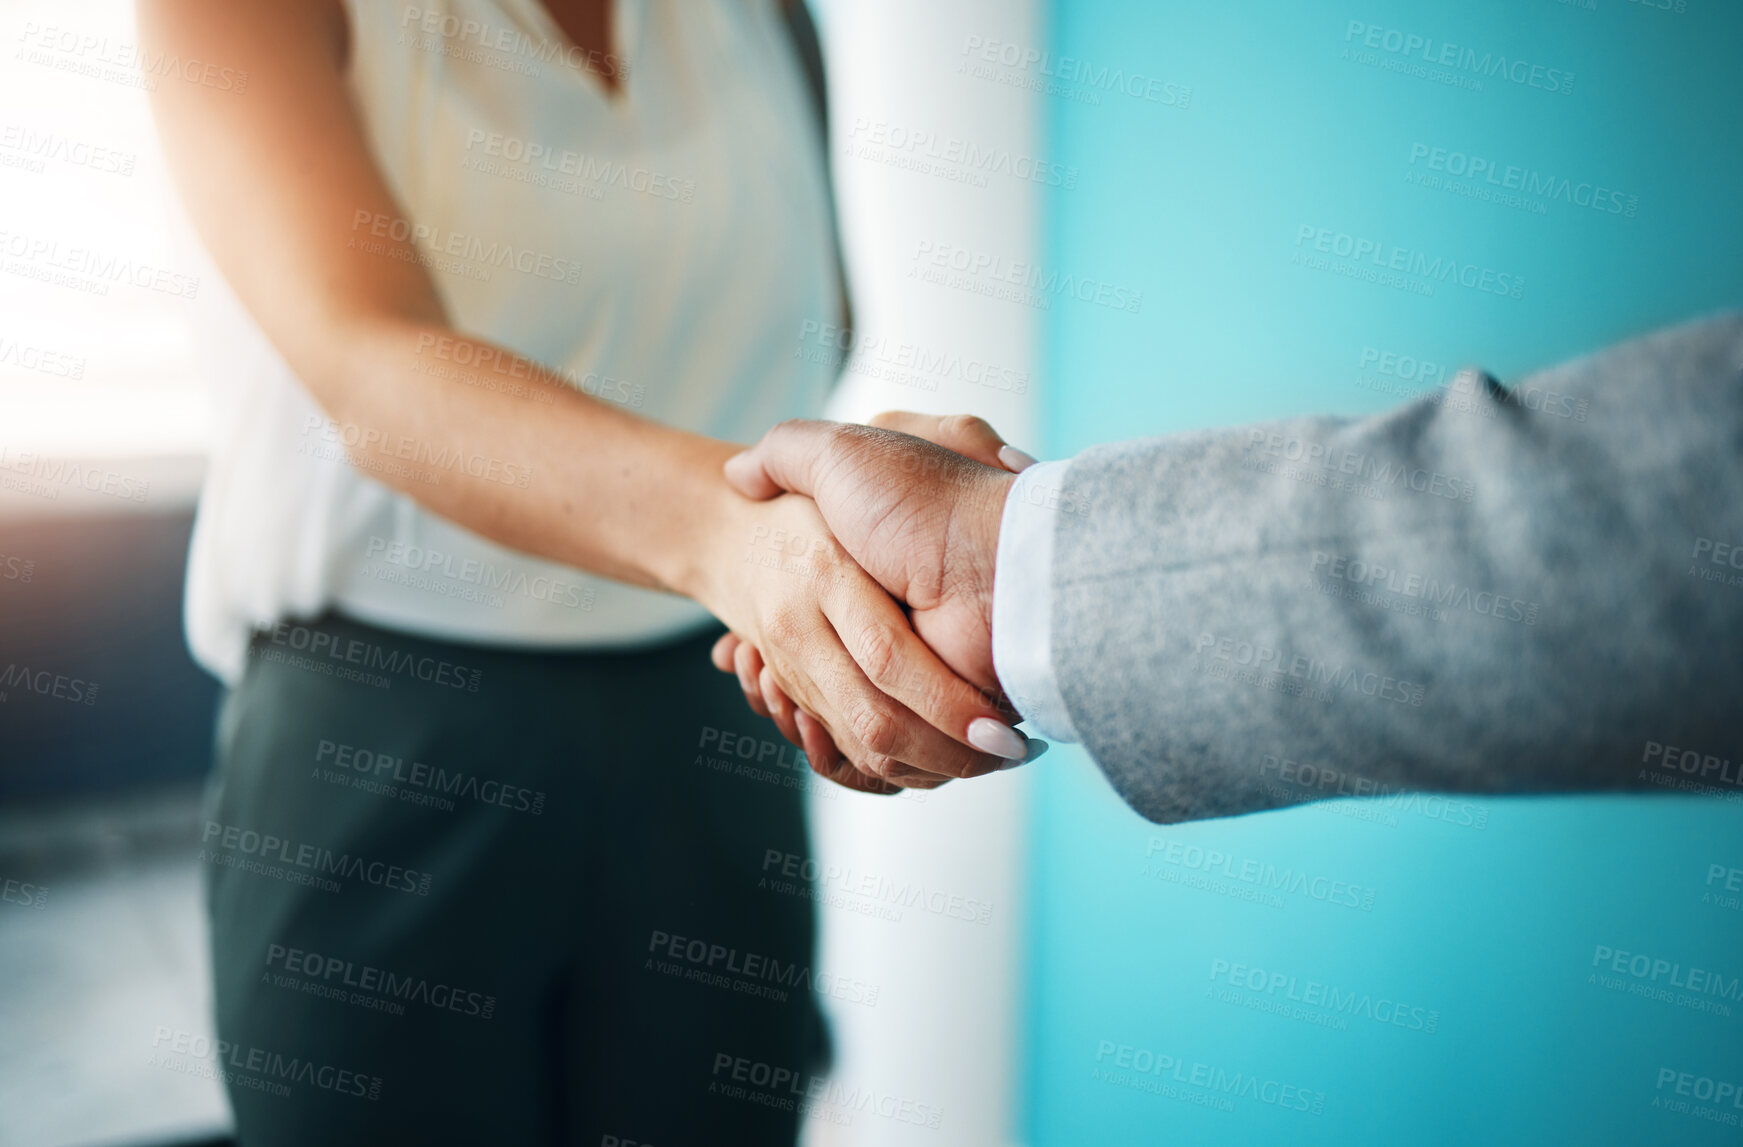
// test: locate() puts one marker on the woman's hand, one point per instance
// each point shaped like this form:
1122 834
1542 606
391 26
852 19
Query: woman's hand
845 672
966 435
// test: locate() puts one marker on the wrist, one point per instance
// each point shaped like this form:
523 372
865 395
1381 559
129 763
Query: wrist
974 538
708 518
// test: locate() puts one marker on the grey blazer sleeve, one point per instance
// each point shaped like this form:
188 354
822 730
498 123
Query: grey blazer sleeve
1533 589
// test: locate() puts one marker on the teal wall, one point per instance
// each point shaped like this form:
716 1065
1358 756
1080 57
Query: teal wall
1486 913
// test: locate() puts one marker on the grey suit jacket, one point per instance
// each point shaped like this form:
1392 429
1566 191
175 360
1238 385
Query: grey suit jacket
1533 589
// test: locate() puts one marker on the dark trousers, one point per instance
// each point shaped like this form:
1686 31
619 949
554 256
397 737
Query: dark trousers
477 895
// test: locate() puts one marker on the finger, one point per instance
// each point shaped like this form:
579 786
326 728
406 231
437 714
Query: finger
818 745
964 433
785 459
749 665
841 771
722 652
939 722
784 712
908 777
828 678
882 737
834 691
828 763
876 732
780 706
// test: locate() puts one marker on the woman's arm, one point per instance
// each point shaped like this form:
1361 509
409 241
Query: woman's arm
276 178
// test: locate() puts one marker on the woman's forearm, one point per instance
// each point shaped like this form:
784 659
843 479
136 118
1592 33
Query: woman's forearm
508 450
540 467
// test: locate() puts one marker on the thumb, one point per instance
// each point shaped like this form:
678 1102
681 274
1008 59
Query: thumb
785 459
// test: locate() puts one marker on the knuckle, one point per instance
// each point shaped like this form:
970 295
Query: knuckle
960 426
877 653
877 731
850 439
786 628
878 765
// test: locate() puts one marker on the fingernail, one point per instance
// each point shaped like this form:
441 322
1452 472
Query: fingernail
989 736
1036 748
1014 460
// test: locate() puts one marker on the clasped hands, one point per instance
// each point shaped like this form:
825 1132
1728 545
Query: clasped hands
861 611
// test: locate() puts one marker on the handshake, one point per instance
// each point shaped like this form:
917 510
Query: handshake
861 618
1188 622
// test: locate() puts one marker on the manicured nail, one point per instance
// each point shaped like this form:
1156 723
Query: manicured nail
989 736
1014 460
1036 748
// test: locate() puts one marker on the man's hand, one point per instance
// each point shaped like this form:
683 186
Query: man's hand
922 519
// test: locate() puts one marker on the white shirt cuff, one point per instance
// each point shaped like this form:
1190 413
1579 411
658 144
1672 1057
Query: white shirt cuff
1023 601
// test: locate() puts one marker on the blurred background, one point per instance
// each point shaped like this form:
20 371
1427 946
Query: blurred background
1164 171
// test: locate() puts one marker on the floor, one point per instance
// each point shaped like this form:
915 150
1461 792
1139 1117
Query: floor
102 953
